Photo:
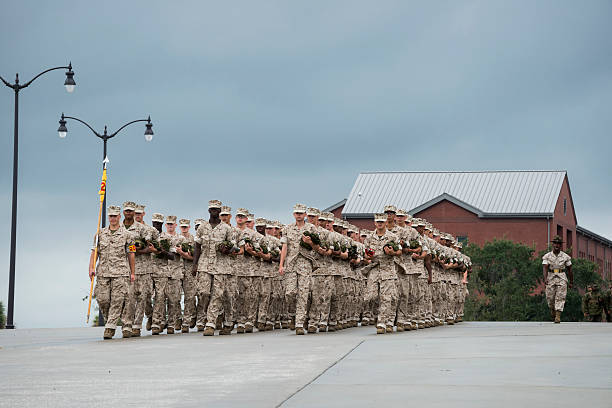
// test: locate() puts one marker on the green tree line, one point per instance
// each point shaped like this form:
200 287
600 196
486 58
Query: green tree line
506 284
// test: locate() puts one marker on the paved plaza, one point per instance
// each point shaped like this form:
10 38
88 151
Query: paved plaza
472 364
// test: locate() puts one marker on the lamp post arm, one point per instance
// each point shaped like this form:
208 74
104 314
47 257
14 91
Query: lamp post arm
44 72
6 82
126 125
86 124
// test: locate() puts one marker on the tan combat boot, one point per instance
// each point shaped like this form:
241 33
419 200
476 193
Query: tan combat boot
322 328
148 324
156 331
261 326
170 330
126 333
380 330
248 328
200 327
277 326
284 325
312 329
292 324
389 329
209 331
400 327
299 331
108 334
185 329
225 331
268 327
557 316
240 329
135 332
331 328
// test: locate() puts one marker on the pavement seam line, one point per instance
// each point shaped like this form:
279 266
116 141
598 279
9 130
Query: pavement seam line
319 375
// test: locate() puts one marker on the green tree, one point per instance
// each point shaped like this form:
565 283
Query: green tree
506 284
2 316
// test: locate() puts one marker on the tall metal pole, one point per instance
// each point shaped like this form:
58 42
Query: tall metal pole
100 316
11 298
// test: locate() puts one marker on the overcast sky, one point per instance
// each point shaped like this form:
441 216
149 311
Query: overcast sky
264 104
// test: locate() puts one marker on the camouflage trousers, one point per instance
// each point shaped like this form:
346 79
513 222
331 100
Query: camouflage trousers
112 295
264 314
408 291
173 296
277 302
140 301
556 291
386 293
297 290
189 298
246 303
222 298
425 304
204 282
463 293
322 289
159 303
335 302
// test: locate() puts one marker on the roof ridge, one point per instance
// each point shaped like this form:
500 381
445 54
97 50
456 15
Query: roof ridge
463 171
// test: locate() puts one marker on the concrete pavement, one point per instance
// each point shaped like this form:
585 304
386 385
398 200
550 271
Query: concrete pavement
472 364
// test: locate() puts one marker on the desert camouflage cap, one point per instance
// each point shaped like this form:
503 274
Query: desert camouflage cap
401 213
299 208
269 224
129 206
139 209
225 210
380 217
198 221
329 216
337 222
114 210
242 211
250 217
261 222
313 211
363 233
171 219
157 217
214 204
390 208
184 222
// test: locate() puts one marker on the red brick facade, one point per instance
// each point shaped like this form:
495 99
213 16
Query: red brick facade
536 231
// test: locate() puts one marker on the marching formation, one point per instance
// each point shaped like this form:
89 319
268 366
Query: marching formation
318 274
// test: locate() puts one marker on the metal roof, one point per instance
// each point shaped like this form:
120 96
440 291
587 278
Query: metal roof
486 193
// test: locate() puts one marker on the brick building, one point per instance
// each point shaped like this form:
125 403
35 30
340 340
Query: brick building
529 207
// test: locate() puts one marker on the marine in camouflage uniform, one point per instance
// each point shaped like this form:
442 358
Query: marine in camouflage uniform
247 273
407 278
593 304
278 306
188 281
322 281
115 271
382 278
175 275
141 266
160 274
299 263
215 263
268 244
336 240
555 264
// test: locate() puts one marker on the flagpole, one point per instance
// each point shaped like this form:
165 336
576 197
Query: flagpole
102 194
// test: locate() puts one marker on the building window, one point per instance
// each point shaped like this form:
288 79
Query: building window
568 239
560 231
463 239
564 206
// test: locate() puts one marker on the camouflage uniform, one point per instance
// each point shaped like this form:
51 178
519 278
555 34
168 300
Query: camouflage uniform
143 288
216 280
382 279
113 274
322 286
338 294
300 263
248 280
556 288
268 270
189 288
141 269
593 305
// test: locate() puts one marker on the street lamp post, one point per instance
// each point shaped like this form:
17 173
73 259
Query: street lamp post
70 84
63 131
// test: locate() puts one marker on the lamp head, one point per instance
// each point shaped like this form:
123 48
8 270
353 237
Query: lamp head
149 130
62 130
69 82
